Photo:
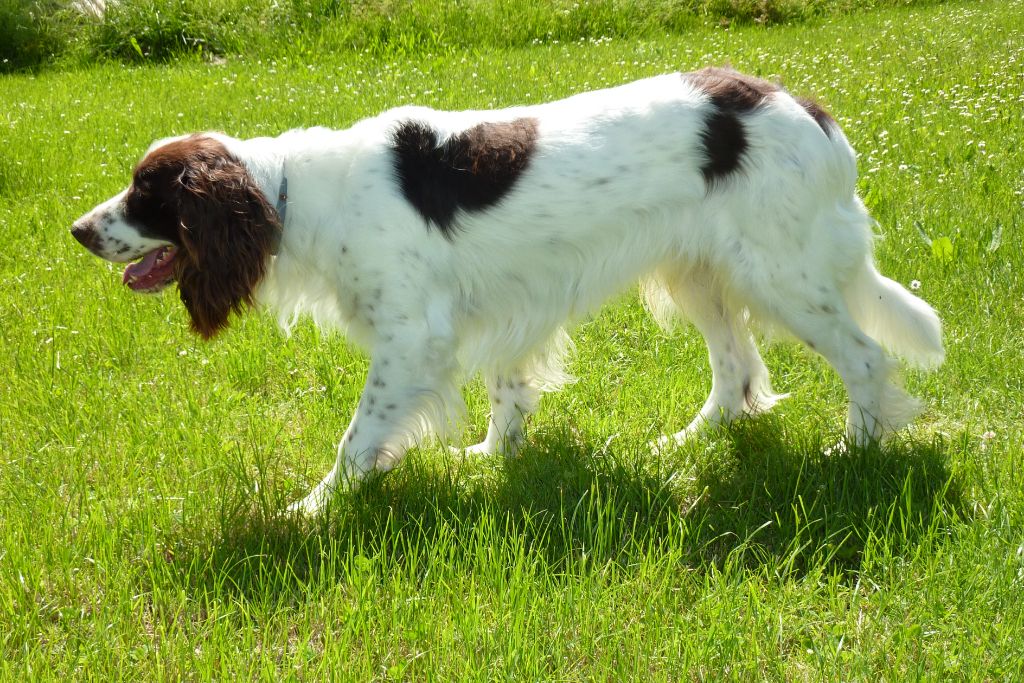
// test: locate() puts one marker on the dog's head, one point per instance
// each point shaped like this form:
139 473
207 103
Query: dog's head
194 215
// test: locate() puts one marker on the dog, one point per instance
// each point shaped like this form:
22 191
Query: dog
450 243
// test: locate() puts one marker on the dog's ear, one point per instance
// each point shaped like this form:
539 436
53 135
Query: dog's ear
228 232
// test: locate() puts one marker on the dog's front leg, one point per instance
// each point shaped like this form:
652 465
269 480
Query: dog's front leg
405 383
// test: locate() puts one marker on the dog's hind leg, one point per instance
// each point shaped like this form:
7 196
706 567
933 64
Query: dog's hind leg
513 397
819 317
740 384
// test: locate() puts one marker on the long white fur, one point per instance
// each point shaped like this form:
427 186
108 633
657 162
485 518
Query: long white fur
613 194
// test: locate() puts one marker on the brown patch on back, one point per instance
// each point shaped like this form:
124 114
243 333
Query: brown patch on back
730 89
724 138
732 95
819 114
470 171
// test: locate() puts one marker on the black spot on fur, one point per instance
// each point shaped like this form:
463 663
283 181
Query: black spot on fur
724 142
469 171
724 138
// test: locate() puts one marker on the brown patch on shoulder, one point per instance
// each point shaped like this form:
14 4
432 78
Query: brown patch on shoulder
498 149
470 171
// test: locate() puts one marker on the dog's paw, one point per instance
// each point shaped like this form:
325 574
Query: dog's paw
668 442
310 506
712 423
663 444
481 449
508 448
838 449
316 500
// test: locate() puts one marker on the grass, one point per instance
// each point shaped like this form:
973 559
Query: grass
39 32
142 474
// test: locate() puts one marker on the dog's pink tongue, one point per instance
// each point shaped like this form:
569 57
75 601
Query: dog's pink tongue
140 268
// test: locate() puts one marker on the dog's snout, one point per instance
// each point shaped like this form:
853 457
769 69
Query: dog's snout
87 234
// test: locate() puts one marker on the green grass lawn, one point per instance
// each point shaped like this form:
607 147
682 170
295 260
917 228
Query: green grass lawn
143 473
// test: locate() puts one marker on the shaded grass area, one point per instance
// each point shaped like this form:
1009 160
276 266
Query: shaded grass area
143 474
35 32
760 505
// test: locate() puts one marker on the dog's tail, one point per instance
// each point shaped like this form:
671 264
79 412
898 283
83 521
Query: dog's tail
894 317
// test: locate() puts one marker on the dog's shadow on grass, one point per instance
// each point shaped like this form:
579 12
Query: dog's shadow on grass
572 505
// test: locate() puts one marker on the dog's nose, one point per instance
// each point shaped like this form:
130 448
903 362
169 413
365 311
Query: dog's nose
86 234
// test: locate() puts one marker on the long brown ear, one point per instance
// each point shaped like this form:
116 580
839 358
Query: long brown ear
228 230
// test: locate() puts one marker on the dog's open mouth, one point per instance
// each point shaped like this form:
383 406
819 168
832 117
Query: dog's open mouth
152 272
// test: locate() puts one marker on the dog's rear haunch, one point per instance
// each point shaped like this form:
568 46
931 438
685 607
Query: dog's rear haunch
448 243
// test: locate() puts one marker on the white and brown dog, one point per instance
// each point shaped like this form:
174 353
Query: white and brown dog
448 243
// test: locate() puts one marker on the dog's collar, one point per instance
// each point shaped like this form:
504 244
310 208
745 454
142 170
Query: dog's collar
282 209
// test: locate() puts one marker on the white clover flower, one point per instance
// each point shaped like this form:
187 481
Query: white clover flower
915 284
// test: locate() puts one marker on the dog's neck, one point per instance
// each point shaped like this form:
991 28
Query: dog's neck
265 161
266 164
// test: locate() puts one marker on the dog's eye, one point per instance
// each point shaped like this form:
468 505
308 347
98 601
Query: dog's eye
143 199
140 184
143 182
